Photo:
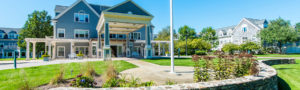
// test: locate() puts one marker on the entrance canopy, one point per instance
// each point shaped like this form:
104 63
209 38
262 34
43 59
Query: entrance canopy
120 23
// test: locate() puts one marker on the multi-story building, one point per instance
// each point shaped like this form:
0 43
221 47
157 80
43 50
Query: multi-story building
8 42
247 30
123 30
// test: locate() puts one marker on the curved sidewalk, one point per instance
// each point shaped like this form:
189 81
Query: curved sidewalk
159 74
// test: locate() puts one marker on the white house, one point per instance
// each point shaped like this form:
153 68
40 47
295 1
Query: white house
246 30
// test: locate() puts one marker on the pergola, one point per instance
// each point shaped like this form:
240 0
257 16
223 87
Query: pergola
50 41
121 23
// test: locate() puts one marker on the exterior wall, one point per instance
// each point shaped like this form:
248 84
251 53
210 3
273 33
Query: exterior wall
67 22
250 34
67 49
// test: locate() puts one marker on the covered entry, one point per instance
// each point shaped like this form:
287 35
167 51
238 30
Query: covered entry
124 18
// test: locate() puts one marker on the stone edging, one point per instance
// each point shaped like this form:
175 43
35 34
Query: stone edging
265 80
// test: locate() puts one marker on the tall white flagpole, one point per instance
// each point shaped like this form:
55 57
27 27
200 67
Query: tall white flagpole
171 36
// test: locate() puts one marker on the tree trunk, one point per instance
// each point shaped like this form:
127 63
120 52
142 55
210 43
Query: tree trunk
280 49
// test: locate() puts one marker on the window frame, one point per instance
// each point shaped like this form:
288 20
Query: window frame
58 29
84 35
58 51
244 29
84 17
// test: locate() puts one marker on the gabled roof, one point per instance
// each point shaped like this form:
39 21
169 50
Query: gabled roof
8 30
256 22
128 6
64 9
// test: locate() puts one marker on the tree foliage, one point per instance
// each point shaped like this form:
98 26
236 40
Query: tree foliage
278 31
249 46
164 34
38 25
209 34
186 31
193 46
298 26
230 48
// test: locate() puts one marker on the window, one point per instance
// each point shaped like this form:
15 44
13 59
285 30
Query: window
94 50
1 35
81 17
61 51
245 29
11 36
81 33
129 12
1 45
61 33
135 35
84 50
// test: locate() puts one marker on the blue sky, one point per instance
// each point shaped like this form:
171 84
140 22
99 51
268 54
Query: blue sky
195 13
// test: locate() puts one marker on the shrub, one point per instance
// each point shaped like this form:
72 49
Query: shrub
80 54
88 69
230 48
201 74
83 81
147 84
201 52
110 72
24 84
113 82
59 78
169 82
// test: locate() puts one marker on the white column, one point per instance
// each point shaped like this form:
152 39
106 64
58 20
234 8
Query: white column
72 48
49 48
54 51
153 50
127 46
27 50
171 36
33 50
159 49
54 28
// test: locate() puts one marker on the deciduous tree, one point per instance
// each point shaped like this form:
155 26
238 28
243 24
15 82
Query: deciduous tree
279 31
38 25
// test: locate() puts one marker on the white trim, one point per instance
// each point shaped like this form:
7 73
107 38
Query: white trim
74 4
58 51
126 2
81 30
58 32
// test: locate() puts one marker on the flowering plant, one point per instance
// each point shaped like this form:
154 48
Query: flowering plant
82 81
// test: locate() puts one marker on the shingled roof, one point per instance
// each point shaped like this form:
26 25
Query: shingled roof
97 8
7 30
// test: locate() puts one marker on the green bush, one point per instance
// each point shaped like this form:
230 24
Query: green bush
82 81
201 52
169 82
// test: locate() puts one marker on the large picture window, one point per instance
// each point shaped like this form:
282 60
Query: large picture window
84 50
81 33
61 51
61 33
81 17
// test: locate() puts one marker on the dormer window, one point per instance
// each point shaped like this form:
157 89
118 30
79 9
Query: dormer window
2 35
12 35
81 17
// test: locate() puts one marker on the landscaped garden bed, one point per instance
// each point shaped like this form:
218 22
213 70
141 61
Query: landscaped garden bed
33 77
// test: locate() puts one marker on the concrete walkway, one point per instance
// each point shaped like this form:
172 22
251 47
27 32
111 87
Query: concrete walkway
159 74
22 63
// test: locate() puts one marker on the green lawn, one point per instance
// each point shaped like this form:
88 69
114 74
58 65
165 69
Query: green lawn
11 59
279 55
10 79
179 62
289 75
